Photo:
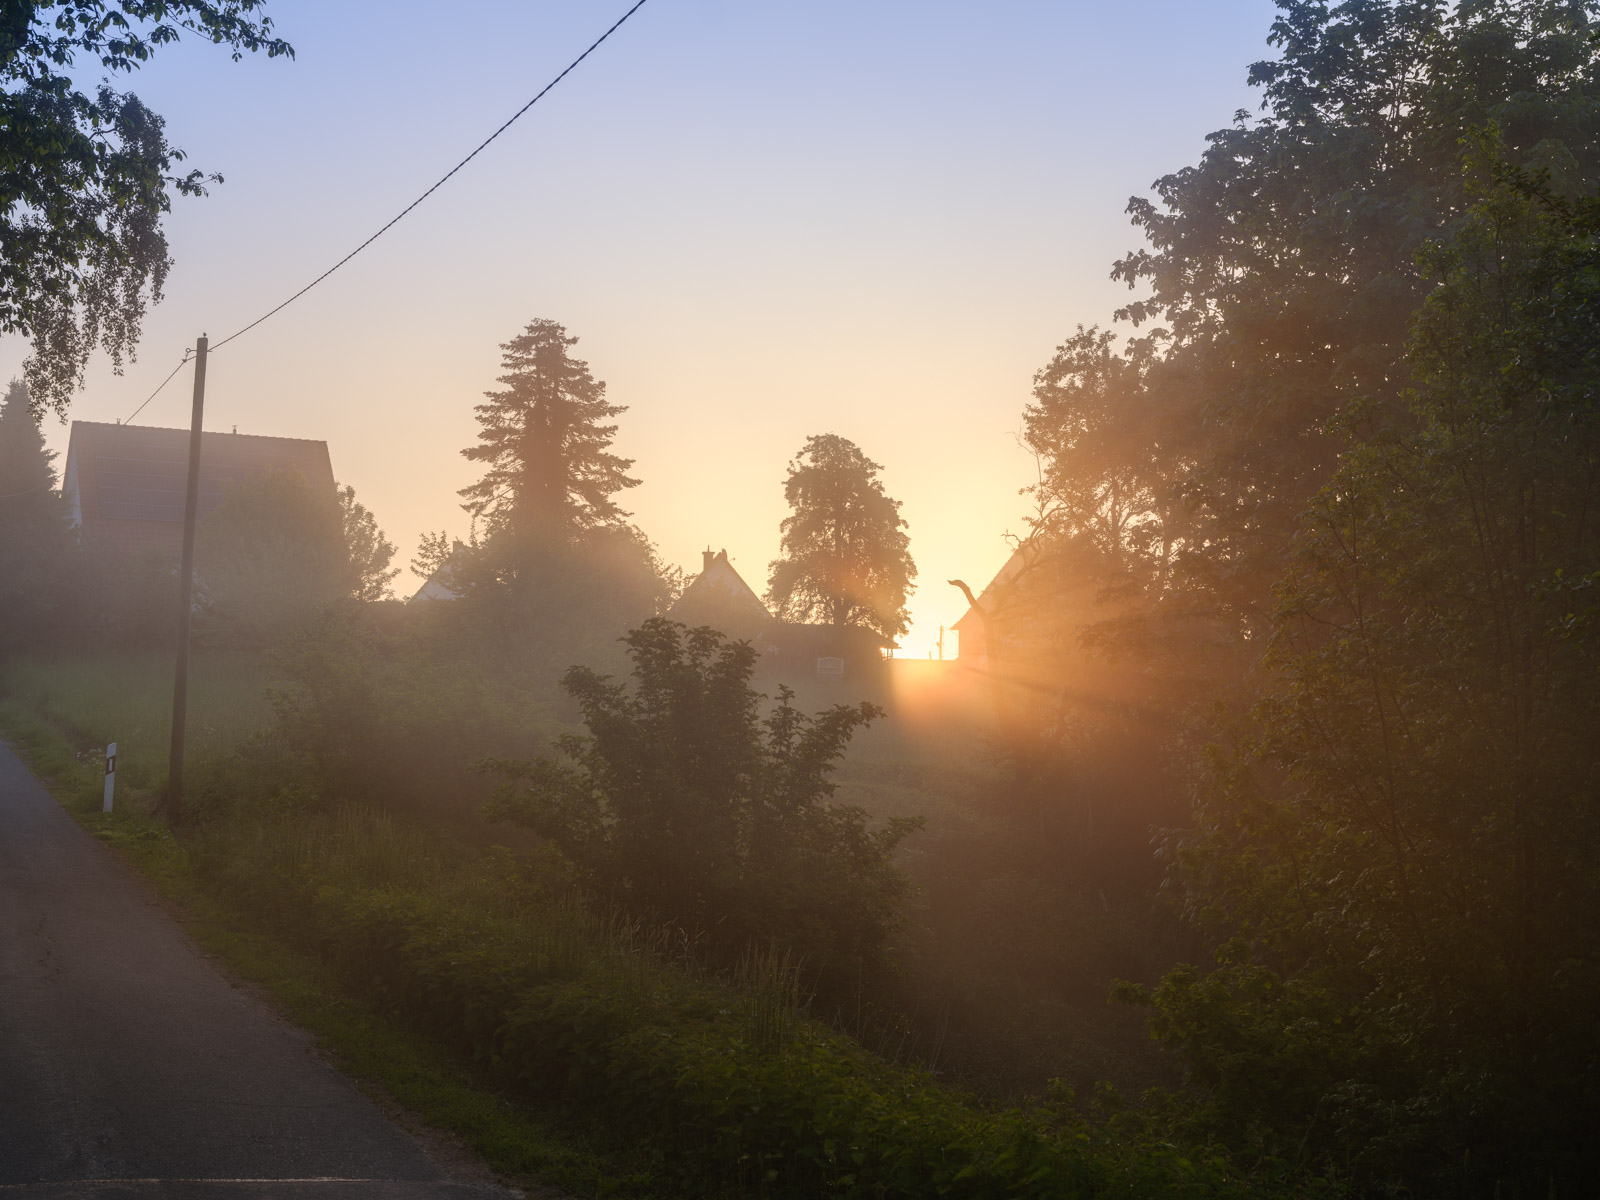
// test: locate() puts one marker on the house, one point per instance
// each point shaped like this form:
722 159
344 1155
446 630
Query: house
441 585
719 597
975 625
125 485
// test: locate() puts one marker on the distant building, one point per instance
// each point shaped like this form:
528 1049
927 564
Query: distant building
998 601
125 485
441 585
719 597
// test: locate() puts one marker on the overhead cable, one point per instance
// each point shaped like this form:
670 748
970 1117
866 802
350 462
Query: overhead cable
157 392
26 491
441 182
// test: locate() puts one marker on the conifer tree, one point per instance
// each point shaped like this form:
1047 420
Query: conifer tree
34 537
545 437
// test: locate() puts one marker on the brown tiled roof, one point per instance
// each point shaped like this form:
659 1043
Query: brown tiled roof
140 472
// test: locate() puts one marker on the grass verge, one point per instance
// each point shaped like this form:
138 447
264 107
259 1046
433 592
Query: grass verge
659 1076
428 1081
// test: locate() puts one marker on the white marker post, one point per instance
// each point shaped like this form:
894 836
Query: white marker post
111 775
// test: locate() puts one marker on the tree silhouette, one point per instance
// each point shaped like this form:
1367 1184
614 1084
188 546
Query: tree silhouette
688 802
846 556
88 177
34 536
545 439
369 552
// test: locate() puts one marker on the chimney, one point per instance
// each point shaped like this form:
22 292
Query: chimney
707 558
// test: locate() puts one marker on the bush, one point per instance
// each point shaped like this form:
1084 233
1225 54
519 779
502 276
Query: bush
687 803
602 1015
382 710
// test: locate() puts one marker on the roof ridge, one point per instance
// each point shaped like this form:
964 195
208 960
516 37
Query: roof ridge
265 437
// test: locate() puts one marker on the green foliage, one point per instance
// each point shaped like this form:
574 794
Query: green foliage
274 554
126 697
605 1017
1358 440
543 438
528 606
418 1069
368 552
269 558
86 178
846 557
368 709
687 803
1282 276
35 542
1101 462
1410 869
557 570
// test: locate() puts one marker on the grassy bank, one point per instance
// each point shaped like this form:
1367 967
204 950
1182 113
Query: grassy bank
127 698
637 1068
431 1084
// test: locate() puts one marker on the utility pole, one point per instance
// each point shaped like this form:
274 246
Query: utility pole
191 507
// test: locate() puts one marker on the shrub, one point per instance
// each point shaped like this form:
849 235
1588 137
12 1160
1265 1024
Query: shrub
689 804
388 715
598 1014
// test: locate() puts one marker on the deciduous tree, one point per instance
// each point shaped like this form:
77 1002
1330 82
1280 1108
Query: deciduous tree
1404 846
86 177
274 552
846 556
368 551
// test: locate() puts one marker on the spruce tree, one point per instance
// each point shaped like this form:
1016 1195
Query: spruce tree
545 437
35 540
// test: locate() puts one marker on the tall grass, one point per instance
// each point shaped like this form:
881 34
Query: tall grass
127 698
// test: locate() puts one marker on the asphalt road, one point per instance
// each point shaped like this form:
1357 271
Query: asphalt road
130 1067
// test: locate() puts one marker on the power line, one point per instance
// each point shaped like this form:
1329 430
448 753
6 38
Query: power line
181 364
26 491
403 212
442 181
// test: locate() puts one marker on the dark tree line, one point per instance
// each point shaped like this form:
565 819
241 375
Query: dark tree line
1331 508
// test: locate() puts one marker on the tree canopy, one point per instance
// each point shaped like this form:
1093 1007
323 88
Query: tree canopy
1281 273
845 554
1335 494
274 553
368 551
1402 842
86 177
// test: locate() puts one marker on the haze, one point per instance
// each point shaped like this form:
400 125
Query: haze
763 221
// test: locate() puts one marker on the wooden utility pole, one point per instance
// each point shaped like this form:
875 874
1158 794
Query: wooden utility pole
191 507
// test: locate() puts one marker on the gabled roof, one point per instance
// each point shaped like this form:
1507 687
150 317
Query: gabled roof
1013 567
140 472
441 585
720 597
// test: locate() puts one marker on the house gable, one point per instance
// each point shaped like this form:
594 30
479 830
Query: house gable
719 597
127 484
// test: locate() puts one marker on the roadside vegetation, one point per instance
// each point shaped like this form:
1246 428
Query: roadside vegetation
657 1063
1286 736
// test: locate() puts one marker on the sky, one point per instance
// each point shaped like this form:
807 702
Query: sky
763 221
